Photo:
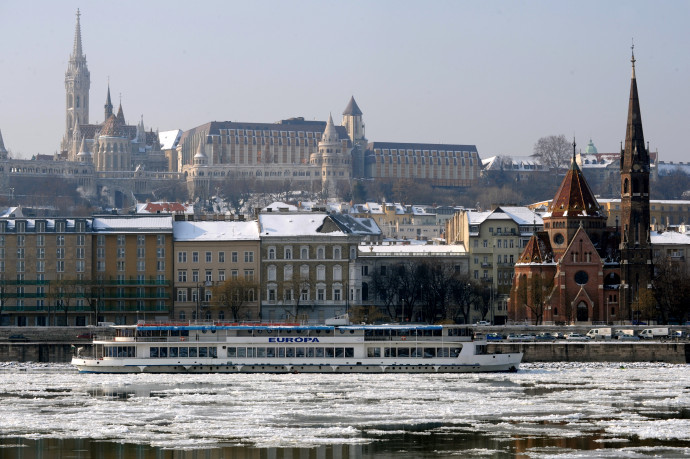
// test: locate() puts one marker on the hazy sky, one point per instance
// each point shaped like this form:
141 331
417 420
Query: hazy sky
497 74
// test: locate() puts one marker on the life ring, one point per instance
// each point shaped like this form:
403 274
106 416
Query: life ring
404 338
182 339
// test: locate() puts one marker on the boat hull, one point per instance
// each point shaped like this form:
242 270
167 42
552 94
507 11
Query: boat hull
510 363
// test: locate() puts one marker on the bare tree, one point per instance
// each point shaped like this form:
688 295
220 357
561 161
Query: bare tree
671 290
234 294
385 288
553 151
533 294
463 292
63 292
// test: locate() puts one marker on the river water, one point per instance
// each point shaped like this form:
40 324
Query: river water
555 410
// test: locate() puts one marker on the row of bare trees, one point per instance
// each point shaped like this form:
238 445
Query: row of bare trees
428 291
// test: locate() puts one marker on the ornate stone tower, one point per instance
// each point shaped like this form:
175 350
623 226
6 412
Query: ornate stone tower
335 160
352 120
77 84
636 247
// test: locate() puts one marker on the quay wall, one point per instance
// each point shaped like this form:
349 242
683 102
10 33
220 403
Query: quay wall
608 351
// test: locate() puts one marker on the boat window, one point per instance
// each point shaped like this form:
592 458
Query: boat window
153 353
281 352
261 352
213 352
310 352
203 351
442 352
173 352
403 352
415 352
270 352
454 352
299 352
192 352
480 349
184 352
319 352
289 352
163 352
339 352
390 352
429 352
241 352
349 352
329 352
374 352
232 352
250 352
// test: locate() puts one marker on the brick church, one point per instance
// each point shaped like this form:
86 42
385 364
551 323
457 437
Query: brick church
579 270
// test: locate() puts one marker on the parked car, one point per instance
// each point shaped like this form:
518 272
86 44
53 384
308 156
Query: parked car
494 337
483 323
577 337
18 338
545 336
628 338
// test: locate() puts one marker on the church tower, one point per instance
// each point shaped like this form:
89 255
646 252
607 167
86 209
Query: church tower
77 84
635 247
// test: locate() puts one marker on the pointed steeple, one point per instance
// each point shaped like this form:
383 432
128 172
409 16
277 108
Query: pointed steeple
352 108
108 104
121 115
3 150
330 135
574 197
77 52
635 151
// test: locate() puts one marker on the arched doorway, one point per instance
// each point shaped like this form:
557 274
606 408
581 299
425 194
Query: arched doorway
582 312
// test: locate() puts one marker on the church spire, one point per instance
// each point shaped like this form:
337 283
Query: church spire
108 104
76 50
3 151
635 151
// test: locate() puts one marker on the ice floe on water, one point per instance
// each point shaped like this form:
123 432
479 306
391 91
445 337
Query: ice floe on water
563 409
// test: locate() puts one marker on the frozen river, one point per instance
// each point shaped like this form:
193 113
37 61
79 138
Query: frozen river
544 410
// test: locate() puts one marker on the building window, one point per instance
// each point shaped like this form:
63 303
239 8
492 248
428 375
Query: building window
304 253
182 257
182 296
287 273
120 252
160 252
272 295
336 253
336 294
249 257
141 240
288 253
160 265
160 239
181 276
121 240
221 275
221 257
321 294
100 240
365 270
233 257
195 257
195 276
320 253
271 253
320 273
209 257
249 275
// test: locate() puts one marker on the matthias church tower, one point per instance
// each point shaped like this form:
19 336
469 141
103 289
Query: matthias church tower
77 84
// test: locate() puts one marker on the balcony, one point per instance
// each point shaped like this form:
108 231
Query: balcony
487 264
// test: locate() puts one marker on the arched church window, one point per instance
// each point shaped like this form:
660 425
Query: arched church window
625 186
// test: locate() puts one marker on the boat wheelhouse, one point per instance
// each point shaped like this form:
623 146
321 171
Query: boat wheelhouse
291 348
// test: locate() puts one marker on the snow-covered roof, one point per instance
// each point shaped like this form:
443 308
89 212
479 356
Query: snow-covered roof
133 224
374 207
164 208
216 231
293 224
169 139
669 238
412 250
279 207
354 225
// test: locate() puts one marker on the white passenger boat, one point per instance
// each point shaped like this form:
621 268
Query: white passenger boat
291 348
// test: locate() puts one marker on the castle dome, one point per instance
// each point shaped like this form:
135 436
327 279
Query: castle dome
591 149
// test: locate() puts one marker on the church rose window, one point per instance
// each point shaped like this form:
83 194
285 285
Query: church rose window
558 238
581 277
